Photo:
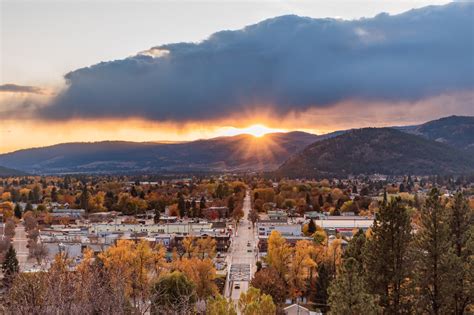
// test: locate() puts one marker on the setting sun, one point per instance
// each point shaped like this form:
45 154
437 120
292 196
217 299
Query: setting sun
257 130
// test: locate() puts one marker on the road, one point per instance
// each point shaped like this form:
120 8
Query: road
19 243
242 266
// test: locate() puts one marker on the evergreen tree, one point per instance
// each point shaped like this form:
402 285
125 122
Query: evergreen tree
54 194
202 203
311 227
84 198
348 292
10 266
386 258
181 205
461 231
28 207
432 254
231 204
323 280
17 211
356 246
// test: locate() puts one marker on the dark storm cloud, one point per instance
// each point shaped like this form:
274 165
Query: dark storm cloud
14 88
290 63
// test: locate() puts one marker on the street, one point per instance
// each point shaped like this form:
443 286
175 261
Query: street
19 243
242 255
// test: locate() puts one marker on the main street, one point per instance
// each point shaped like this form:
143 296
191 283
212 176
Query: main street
20 244
242 256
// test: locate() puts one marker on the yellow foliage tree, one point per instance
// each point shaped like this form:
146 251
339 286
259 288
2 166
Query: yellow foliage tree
278 254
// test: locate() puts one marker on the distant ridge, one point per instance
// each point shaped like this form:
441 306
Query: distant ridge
376 150
237 153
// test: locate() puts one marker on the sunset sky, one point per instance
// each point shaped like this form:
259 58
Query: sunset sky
176 71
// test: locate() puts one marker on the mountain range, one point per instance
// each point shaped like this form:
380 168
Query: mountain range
443 146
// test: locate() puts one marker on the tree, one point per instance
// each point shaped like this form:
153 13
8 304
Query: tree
202 273
321 287
219 305
386 258
431 247
174 293
84 198
181 205
17 211
461 242
299 269
253 216
253 302
278 254
311 227
348 292
10 266
202 203
38 251
206 247
269 282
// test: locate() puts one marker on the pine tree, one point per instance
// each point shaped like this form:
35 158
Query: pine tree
432 254
386 257
17 211
460 218
10 266
348 292
181 205
311 227
84 198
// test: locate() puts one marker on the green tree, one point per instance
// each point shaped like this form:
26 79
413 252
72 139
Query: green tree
10 266
84 198
386 258
181 205
311 227
432 253
173 293
17 211
461 233
219 305
348 292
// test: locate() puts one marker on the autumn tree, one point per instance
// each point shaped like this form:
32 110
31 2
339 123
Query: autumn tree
278 254
299 268
219 305
253 216
269 282
202 273
253 302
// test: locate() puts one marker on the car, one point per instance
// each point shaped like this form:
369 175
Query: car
249 250
248 244
237 286
249 227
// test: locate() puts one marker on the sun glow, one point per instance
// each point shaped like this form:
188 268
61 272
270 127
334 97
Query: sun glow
256 130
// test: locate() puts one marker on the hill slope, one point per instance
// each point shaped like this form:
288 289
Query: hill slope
242 152
10 172
457 131
376 150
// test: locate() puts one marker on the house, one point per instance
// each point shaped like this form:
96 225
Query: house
296 309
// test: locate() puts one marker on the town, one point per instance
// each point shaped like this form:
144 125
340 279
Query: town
234 237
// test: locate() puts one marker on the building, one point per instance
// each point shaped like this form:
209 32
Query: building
169 228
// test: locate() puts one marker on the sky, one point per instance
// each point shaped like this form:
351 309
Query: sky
175 70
